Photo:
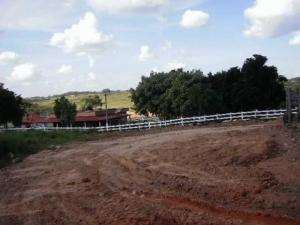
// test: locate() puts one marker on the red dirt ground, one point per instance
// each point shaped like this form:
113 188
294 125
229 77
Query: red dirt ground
246 174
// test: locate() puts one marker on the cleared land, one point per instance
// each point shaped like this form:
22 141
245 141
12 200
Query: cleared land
234 174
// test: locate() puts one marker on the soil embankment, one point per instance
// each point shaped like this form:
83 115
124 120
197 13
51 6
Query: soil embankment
246 174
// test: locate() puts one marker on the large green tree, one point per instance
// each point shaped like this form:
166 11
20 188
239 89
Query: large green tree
91 102
65 111
12 107
255 85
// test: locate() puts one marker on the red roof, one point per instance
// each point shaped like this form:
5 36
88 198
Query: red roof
90 116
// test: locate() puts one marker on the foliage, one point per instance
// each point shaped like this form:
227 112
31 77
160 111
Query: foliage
187 93
12 107
91 102
65 111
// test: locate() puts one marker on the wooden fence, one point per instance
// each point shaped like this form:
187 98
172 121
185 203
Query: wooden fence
264 115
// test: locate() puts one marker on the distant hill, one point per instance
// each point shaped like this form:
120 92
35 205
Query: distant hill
294 83
115 99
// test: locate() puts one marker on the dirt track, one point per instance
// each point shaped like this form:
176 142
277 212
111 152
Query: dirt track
234 175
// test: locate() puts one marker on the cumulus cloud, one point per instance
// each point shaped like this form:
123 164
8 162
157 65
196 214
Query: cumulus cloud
269 18
145 53
175 65
65 69
116 6
9 57
25 73
194 18
296 39
83 37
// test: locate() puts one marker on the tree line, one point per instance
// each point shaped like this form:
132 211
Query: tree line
178 93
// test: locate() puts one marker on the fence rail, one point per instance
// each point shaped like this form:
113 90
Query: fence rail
265 114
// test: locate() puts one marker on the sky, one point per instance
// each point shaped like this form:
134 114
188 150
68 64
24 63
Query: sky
51 47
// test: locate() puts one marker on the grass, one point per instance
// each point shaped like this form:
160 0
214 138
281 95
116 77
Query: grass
15 146
120 99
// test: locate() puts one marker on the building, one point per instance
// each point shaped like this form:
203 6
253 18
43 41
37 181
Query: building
82 119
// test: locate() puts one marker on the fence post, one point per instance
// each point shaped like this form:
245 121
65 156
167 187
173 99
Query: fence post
181 121
149 125
298 95
288 105
230 114
242 113
255 114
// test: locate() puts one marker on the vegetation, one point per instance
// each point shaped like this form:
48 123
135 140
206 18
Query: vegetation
17 145
294 83
115 99
92 102
12 107
187 93
65 111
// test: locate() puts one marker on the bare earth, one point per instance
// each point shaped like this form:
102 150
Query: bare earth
223 175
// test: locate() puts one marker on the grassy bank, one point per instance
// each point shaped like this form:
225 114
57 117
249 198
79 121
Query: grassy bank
14 146
120 99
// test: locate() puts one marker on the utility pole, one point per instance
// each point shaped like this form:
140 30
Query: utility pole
106 113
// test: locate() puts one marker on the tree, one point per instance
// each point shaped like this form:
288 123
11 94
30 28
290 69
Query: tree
91 102
12 107
187 93
190 95
148 97
262 87
65 111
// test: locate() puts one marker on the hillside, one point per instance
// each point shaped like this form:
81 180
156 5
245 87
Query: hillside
295 83
116 99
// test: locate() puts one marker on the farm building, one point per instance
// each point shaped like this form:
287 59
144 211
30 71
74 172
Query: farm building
82 119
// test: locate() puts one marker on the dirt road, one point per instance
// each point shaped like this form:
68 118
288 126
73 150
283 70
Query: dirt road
237 175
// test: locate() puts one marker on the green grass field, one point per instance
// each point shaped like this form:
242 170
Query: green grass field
115 100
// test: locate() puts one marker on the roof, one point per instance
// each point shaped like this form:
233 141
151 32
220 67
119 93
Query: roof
88 116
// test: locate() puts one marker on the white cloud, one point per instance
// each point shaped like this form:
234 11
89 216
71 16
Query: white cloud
145 53
175 65
25 73
270 18
194 18
83 37
296 39
117 6
9 58
65 69
91 76
167 45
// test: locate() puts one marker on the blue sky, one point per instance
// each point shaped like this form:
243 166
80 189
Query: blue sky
50 47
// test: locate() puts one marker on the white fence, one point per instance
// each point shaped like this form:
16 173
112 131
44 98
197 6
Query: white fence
265 115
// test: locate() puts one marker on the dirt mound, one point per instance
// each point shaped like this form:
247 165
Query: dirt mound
231 175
